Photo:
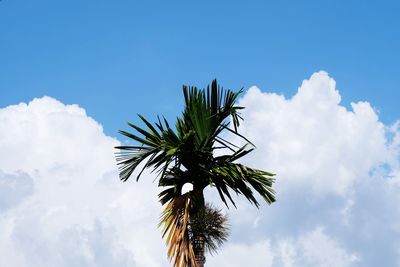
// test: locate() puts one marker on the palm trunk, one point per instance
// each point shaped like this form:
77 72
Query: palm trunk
198 241
198 247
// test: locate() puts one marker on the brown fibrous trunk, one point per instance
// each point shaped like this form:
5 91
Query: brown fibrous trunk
198 247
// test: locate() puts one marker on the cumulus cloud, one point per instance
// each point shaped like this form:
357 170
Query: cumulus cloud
314 248
337 179
338 184
312 140
14 188
61 202
244 254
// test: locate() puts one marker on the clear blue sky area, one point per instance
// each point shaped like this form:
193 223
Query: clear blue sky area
118 58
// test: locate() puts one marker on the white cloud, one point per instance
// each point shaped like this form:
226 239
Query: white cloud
14 188
255 254
61 203
310 140
313 249
333 167
317 249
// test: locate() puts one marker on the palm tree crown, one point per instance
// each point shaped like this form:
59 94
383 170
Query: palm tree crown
186 154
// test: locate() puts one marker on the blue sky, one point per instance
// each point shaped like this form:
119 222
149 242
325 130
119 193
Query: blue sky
117 58
337 163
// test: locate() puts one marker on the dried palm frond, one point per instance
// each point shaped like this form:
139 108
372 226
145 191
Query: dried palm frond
175 222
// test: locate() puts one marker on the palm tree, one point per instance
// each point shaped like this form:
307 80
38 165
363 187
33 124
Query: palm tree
186 154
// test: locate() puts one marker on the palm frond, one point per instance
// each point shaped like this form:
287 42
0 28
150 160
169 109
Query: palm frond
175 224
155 147
207 110
241 179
